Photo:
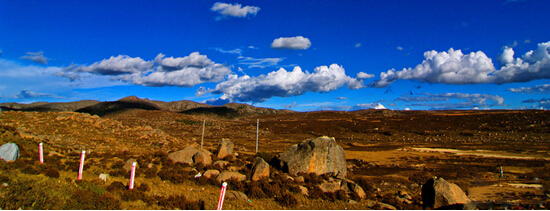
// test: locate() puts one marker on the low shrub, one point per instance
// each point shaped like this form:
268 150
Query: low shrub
341 195
132 195
287 200
88 200
255 192
30 169
116 186
143 187
52 172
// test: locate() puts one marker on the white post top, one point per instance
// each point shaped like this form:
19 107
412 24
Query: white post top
83 151
224 184
133 164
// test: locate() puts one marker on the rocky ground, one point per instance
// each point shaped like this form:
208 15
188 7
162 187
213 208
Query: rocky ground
387 153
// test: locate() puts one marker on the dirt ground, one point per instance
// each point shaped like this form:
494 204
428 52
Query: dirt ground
396 150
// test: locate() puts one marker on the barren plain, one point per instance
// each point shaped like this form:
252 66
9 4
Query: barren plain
391 151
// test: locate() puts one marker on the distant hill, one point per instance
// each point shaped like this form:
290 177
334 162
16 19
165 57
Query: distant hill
132 102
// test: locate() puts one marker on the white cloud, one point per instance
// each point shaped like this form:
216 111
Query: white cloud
362 75
538 89
259 62
544 102
121 64
293 105
282 83
26 94
36 57
292 43
363 106
454 67
341 98
472 100
233 10
180 71
399 48
357 45
236 51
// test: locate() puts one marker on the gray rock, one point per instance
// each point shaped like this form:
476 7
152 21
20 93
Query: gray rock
330 186
236 195
186 155
260 169
304 190
320 155
211 173
225 148
438 193
221 163
227 175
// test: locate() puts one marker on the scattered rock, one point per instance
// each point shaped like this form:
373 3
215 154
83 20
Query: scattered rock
304 190
211 173
438 193
384 206
128 165
186 155
103 177
202 158
225 148
260 169
230 174
221 163
330 186
236 195
352 202
233 168
320 155
299 179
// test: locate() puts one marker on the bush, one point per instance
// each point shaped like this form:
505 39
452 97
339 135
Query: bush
151 172
30 169
87 200
132 195
143 187
255 192
116 187
287 200
53 173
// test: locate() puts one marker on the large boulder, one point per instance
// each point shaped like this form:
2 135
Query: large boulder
187 155
9 152
260 169
224 176
320 155
225 148
438 193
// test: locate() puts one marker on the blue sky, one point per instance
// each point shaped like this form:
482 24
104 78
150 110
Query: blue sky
313 55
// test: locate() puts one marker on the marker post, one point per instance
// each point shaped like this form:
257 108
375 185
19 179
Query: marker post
81 164
41 153
257 129
132 175
222 196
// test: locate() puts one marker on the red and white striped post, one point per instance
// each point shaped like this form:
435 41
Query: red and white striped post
41 153
81 164
222 196
132 175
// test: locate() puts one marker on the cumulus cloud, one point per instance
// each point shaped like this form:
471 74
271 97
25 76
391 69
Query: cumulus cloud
538 89
121 64
362 75
233 10
454 67
282 83
341 98
36 57
292 43
162 71
472 100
